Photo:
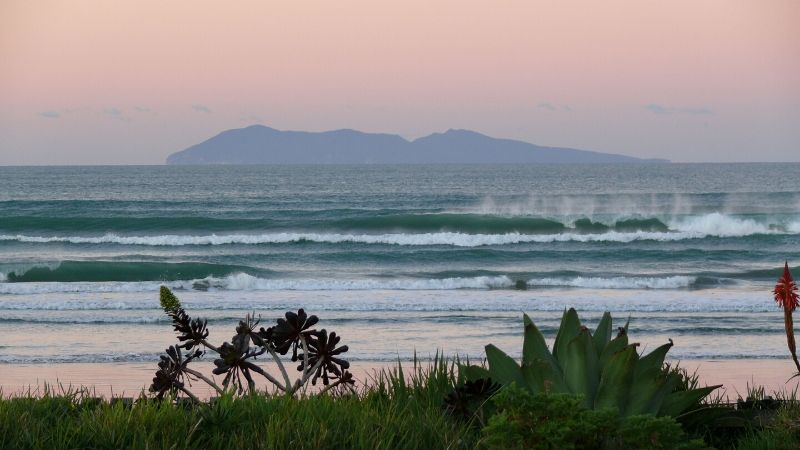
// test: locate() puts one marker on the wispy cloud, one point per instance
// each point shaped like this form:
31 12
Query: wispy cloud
144 110
550 107
201 108
116 113
662 109
50 114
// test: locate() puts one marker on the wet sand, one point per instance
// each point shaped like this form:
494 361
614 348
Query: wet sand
128 379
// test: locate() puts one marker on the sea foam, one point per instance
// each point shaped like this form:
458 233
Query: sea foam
695 227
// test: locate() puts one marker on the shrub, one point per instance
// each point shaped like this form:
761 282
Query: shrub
561 421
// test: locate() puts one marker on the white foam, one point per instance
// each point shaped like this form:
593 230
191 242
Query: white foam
716 224
82 286
421 239
247 282
694 227
673 282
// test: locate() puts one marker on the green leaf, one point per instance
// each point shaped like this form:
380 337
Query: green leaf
473 373
653 361
614 346
581 367
502 368
676 403
534 345
616 379
570 327
650 385
647 393
602 335
544 377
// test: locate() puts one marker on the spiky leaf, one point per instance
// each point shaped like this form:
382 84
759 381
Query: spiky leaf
502 368
581 367
602 335
544 376
534 345
615 381
679 402
569 328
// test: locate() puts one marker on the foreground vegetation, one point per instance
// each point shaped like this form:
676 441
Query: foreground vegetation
395 410
591 390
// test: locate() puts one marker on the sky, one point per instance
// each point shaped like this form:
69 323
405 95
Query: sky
129 82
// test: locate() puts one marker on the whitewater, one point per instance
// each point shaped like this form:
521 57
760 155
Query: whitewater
434 258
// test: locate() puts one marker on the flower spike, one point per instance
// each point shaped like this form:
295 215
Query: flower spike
786 290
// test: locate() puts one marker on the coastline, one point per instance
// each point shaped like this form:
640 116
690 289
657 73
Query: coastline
129 379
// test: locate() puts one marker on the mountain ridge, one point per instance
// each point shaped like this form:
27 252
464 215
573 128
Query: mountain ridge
260 144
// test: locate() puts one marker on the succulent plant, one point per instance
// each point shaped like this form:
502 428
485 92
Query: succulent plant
286 334
322 357
192 332
466 399
172 371
318 351
607 372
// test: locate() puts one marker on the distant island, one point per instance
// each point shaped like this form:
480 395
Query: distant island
259 144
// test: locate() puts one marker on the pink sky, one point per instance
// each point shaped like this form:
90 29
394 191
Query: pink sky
124 82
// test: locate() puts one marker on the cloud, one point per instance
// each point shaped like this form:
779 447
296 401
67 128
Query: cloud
143 110
50 114
115 113
547 106
201 108
662 109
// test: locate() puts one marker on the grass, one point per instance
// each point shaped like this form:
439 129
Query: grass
392 412
399 408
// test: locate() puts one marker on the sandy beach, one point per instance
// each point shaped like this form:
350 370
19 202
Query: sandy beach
128 379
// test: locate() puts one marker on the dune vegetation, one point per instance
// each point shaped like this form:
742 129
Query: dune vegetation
591 389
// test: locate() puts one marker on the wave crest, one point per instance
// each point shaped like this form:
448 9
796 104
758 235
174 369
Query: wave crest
696 227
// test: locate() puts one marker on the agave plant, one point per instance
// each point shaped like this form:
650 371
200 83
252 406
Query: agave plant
607 372
318 352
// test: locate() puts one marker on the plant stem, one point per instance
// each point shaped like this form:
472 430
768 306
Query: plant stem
266 375
187 392
301 381
282 369
313 369
203 377
331 386
208 345
789 324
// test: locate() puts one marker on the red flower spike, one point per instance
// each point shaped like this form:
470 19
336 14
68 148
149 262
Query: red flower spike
786 291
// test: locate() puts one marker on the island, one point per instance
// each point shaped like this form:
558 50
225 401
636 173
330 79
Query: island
259 144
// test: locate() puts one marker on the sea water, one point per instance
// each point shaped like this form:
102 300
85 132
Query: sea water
396 259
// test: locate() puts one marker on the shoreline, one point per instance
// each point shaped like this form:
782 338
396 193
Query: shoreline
129 379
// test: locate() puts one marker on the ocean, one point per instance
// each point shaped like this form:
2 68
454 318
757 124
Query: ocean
399 260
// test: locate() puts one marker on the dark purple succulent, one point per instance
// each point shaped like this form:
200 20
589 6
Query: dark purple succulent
322 349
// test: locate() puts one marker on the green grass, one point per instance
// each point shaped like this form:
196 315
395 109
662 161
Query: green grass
399 408
392 412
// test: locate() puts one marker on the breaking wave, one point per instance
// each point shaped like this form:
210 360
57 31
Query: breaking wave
246 282
696 227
